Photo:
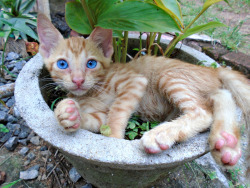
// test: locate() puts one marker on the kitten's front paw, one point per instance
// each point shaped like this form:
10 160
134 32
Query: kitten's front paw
225 149
157 140
67 114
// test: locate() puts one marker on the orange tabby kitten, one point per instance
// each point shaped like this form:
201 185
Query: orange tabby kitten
156 88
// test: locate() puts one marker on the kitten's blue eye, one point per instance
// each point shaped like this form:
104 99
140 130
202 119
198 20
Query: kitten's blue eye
62 64
91 64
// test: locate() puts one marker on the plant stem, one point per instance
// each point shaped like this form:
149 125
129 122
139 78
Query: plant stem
115 50
140 42
88 13
119 49
174 41
2 64
151 40
125 47
158 42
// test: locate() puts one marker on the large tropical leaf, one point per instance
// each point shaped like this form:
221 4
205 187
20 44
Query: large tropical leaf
27 6
200 28
76 18
208 3
137 16
172 7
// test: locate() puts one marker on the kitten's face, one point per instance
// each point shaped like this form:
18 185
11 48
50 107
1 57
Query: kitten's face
75 63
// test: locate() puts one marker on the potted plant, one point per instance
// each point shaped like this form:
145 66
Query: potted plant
103 161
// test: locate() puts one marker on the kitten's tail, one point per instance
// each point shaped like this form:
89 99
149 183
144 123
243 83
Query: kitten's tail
239 86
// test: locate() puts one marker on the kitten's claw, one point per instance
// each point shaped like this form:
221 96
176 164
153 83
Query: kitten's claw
67 114
226 149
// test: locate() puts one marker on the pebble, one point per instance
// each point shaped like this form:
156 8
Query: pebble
6 137
10 102
11 144
23 142
16 113
28 174
23 134
35 140
20 64
23 151
45 153
31 156
11 56
26 163
3 116
43 148
11 119
35 167
74 175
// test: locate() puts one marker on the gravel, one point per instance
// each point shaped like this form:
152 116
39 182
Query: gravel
11 144
24 151
74 175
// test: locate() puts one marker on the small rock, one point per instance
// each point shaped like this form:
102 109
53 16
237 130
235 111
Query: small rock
88 185
23 142
10 102
3 116
11 56
16 112
20 64
35 167
26 163
74 175
11 144
24 151
49 167
45 153
43 148
32 134
28 174
23 134
35 140
6 137
11 119
31 156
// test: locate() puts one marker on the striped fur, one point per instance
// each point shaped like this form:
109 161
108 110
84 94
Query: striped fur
186 98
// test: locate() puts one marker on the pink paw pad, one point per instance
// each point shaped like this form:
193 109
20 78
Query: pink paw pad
164 147
71 102
231 141
70 110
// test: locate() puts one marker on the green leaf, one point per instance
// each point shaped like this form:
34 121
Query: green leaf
172 7
200 28
137 16
11 184
131 125
132 135
105 130
208 3
27 6
76 18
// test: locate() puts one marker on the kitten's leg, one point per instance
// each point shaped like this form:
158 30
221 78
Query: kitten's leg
225 134
130 90
71 116
195 117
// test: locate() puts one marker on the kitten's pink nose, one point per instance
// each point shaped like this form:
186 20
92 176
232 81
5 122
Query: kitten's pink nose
78 81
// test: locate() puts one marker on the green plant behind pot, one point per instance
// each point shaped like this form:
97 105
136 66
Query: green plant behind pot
154 16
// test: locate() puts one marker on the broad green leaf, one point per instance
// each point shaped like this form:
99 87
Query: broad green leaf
105 130
172 7
97 7
117 34
76 18
200 28
208 3
132 135
137 16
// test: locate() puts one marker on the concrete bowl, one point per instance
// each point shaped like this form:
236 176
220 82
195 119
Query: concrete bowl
102 161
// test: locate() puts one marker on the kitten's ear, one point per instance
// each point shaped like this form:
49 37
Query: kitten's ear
48 35
103 38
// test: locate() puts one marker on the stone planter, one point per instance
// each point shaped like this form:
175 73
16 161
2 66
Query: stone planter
102 161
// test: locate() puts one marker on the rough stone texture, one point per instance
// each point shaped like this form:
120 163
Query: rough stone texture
11 144
102 161
35 140
214 51
74 175
28 175
31 156
24 151
3 116
238 61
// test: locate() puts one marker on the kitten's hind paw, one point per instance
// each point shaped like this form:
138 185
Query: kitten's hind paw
226 149
67 114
